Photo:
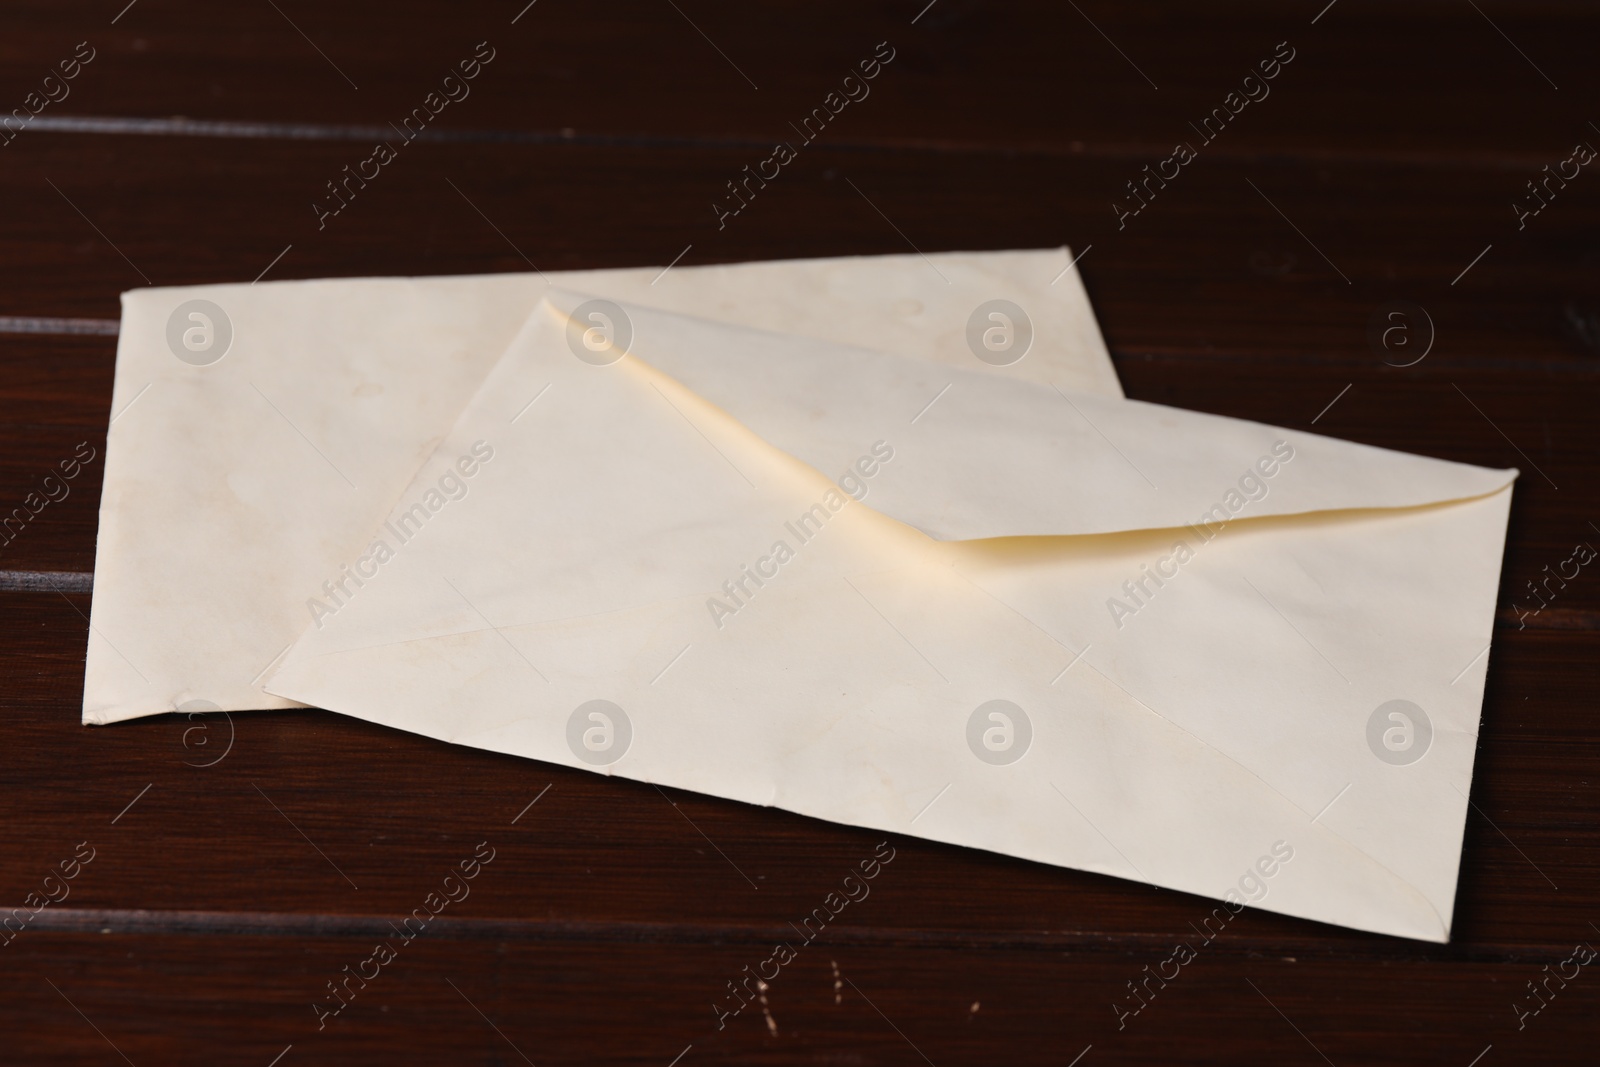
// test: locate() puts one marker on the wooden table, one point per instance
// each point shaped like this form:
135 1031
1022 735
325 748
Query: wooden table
1383 162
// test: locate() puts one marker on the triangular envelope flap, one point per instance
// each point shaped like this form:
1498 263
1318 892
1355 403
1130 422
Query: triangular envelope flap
980 455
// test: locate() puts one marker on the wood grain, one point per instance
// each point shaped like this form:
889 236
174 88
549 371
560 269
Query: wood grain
466 999
1383 167
1424 80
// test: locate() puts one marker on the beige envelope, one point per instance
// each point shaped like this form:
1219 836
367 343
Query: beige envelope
1235 660
258 432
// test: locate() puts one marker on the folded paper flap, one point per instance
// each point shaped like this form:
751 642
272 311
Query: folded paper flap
978 454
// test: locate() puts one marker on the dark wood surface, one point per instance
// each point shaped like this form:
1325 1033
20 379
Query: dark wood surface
190 150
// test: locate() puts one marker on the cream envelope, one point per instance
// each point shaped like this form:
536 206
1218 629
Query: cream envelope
1216 656
258 432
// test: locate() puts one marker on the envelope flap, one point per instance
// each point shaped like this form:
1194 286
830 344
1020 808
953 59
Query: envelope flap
981 453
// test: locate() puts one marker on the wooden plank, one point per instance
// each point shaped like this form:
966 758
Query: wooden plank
451 997
1385 80
1169 279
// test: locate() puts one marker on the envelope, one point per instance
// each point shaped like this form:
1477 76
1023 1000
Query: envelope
258 431
1240 661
